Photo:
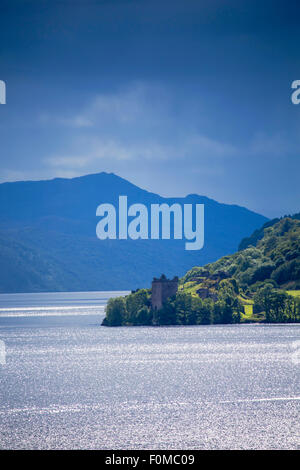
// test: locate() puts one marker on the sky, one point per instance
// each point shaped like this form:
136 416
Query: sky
178 97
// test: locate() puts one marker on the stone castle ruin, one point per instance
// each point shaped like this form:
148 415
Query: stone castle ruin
162 289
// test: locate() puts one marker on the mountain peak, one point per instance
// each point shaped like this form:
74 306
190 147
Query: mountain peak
52 225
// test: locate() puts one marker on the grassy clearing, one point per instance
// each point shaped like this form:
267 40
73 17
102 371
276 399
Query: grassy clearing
190 287
248 309
248 315
294 293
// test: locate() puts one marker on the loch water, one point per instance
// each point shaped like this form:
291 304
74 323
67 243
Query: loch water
66 382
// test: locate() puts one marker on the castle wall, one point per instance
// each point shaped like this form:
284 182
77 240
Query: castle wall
162 289
156 296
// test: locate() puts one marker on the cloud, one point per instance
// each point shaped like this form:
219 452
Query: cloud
138 103
142 134
97 149
76 121
135 125
166 145
210 148
93 151
146 135
275 145
72 121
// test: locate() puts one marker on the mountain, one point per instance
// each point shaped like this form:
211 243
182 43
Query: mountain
48 236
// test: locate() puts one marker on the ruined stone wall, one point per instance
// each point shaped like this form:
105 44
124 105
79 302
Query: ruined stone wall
162 289
156 296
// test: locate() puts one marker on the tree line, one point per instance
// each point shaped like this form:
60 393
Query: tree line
185 309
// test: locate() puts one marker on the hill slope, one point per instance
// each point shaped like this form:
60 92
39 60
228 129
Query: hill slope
269 269
259 283
275 259
48 240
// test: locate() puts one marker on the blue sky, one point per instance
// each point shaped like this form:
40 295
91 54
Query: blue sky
178 97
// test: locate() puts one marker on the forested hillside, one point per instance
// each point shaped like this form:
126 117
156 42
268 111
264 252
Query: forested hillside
258 283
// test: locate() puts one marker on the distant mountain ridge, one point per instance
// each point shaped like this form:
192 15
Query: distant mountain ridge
48 236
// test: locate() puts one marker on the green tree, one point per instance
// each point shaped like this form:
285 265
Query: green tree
144 316
167 314
115 312
277 305
134 302
263 301
183 308
204 311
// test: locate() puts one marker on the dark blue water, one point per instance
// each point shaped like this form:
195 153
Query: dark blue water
69 383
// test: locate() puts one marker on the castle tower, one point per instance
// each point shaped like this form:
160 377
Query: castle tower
162 289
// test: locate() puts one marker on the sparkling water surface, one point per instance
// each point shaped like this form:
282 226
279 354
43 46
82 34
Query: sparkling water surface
69 383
